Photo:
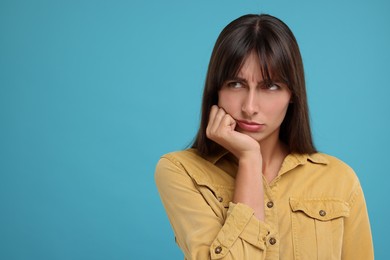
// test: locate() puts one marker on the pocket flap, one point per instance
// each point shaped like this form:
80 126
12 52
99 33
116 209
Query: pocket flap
321 208
225 196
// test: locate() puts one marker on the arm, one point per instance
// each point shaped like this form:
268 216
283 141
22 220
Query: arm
357 241
249 182
199 232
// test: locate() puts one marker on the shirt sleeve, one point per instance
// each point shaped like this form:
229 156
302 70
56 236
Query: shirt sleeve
199 232
357 242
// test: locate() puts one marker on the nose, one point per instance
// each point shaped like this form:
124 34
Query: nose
250 106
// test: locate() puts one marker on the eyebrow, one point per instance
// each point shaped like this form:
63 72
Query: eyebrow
239 79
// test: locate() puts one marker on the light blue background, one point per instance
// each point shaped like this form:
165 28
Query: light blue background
93 92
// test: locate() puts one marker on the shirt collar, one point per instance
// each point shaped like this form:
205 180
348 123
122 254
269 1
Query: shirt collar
304 158
291 161
294 160
317 158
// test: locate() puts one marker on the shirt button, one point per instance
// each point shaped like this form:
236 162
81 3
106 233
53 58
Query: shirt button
218 250
270 204
220 199
322 213
272 241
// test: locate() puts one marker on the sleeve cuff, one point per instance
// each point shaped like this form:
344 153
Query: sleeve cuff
240 223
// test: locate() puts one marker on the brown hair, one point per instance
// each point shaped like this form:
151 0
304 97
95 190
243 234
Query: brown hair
280 59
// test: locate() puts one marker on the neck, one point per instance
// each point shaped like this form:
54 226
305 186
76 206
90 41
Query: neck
273 153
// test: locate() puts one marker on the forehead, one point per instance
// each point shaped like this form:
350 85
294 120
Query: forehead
262 69
251 68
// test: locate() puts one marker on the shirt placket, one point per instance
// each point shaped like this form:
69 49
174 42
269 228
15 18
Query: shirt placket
272 219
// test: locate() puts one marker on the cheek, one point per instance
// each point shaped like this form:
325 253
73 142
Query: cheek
278 108
282 109
225 100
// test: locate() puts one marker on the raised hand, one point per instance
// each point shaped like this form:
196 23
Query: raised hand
249 184
221 129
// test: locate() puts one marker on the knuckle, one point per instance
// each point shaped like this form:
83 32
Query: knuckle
208 132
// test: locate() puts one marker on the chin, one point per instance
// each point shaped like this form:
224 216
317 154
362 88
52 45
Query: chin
257 136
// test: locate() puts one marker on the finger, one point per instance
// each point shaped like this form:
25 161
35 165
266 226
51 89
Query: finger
217 122
213 113
228 122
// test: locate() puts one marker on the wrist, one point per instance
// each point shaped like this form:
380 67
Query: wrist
250 157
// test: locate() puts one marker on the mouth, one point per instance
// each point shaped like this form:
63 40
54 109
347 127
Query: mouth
249 126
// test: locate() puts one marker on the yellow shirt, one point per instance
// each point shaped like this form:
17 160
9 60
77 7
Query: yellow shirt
314 209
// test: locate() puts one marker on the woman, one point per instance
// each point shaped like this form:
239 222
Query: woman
253 185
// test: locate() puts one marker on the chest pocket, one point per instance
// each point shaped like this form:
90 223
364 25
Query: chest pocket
317 226
215 185
216 195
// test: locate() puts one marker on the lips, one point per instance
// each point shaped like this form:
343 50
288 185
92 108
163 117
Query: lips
249 126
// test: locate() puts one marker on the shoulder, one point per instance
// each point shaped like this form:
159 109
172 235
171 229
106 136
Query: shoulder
179 162
182 159
189 165
169 172
334 166
183 155
331 161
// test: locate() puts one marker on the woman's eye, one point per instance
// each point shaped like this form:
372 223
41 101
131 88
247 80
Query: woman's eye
273 87
234 84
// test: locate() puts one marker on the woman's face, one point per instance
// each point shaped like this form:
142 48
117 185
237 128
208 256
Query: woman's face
258 107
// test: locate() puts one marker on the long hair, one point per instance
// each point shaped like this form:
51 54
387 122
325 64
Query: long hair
280 58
